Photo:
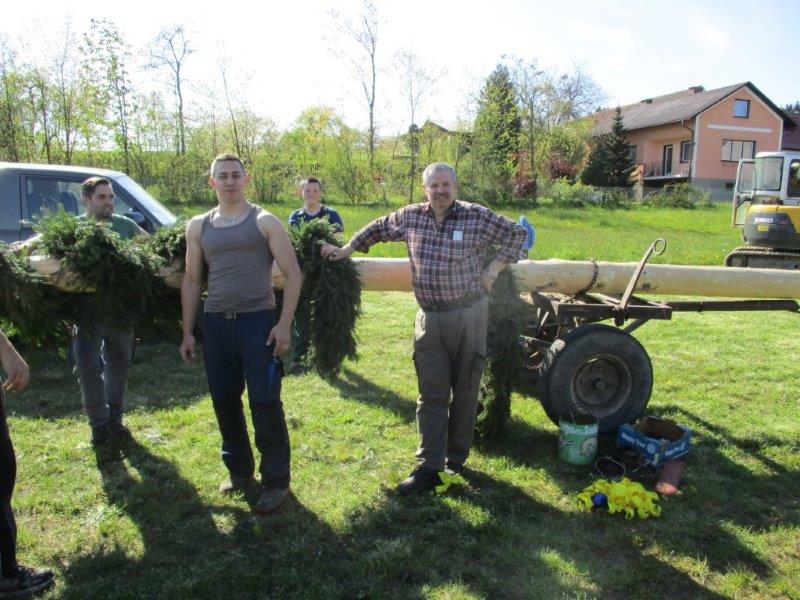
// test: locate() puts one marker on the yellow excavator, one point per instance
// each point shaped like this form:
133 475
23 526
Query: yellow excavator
766 206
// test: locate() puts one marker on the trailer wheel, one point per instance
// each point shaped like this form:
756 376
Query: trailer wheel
598 370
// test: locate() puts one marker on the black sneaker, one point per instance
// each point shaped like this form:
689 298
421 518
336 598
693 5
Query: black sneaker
101 435
421 479
119 430
27 582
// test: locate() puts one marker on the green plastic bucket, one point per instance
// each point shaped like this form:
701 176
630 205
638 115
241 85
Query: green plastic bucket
577 440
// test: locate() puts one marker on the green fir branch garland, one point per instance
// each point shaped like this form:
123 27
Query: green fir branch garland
169 243
507 314
37 312
124 274
333 291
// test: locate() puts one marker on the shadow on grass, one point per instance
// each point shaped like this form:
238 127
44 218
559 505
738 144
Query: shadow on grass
356 387
691 522
158 379
719 491
490 538
494 540
189 549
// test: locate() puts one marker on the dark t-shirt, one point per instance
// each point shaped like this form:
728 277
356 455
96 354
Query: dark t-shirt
300 215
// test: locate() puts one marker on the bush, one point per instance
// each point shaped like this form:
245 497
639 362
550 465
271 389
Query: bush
678 195
568 195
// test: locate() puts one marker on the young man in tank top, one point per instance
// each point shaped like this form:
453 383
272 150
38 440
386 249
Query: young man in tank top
243 335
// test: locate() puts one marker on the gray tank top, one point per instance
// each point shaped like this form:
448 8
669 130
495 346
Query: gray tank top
239 266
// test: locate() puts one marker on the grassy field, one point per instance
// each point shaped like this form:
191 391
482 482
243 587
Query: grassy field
144 520
701 236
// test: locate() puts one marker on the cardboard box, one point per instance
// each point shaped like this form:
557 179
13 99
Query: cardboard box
656 439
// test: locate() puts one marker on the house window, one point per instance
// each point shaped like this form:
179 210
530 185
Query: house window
733 150
632 153
686 152
741 108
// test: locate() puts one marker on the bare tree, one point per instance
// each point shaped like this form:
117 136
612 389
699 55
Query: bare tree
364 63
224 72
417 81
548 100
170 50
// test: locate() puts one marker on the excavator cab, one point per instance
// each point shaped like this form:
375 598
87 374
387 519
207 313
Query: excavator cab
766 206
743 192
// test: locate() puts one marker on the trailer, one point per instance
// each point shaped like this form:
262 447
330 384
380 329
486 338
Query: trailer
577 364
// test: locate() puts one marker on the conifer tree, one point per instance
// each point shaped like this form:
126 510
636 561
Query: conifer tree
595 171
496 136
618 150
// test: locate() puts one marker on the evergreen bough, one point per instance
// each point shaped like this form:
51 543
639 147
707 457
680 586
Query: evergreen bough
32 309
333 291
123 274
507 314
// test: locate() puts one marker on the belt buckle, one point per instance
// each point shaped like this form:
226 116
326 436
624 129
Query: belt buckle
229 315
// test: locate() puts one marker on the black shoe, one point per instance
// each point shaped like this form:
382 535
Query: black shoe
119 430
452 468
421 479
27 582
101 435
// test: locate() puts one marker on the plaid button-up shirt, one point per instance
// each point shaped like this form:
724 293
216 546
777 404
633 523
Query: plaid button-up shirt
447 258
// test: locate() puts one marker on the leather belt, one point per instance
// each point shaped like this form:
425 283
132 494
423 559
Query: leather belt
463 303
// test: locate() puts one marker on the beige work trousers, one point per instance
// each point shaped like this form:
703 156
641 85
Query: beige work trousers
449 356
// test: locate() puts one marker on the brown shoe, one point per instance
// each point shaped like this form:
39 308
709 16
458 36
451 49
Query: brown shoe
234 483
271 500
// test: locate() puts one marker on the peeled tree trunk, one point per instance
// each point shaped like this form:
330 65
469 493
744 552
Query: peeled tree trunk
562 276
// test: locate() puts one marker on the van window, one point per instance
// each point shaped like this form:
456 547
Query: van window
48 194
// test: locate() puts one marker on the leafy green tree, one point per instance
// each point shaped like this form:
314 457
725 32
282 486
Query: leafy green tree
496 137
106 61
620 163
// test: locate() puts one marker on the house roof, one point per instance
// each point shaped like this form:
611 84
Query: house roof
791 135
676 107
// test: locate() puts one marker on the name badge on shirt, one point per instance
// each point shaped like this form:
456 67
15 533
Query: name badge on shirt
458 236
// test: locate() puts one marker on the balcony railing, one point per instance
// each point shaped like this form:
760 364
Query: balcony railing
656 169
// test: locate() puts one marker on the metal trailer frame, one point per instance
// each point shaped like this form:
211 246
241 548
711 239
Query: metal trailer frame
578 366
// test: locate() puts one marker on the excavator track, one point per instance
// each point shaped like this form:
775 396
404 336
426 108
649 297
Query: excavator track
763 257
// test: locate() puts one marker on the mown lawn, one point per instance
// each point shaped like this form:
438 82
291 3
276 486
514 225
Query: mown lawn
144 520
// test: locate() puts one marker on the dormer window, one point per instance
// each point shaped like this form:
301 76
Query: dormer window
741 108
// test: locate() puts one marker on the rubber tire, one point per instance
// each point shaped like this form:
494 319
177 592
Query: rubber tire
621 361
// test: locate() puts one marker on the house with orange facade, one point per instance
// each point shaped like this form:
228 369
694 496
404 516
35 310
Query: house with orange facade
699 135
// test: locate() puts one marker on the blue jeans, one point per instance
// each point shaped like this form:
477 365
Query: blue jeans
236 353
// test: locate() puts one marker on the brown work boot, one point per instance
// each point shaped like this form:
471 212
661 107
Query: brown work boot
271 500
234 483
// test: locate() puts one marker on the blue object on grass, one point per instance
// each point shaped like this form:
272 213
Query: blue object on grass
529 241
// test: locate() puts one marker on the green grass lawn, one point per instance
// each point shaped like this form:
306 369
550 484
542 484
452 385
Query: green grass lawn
144 520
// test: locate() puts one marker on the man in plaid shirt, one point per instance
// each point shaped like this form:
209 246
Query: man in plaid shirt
447 241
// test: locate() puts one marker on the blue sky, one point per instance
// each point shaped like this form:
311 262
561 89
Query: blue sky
285 57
